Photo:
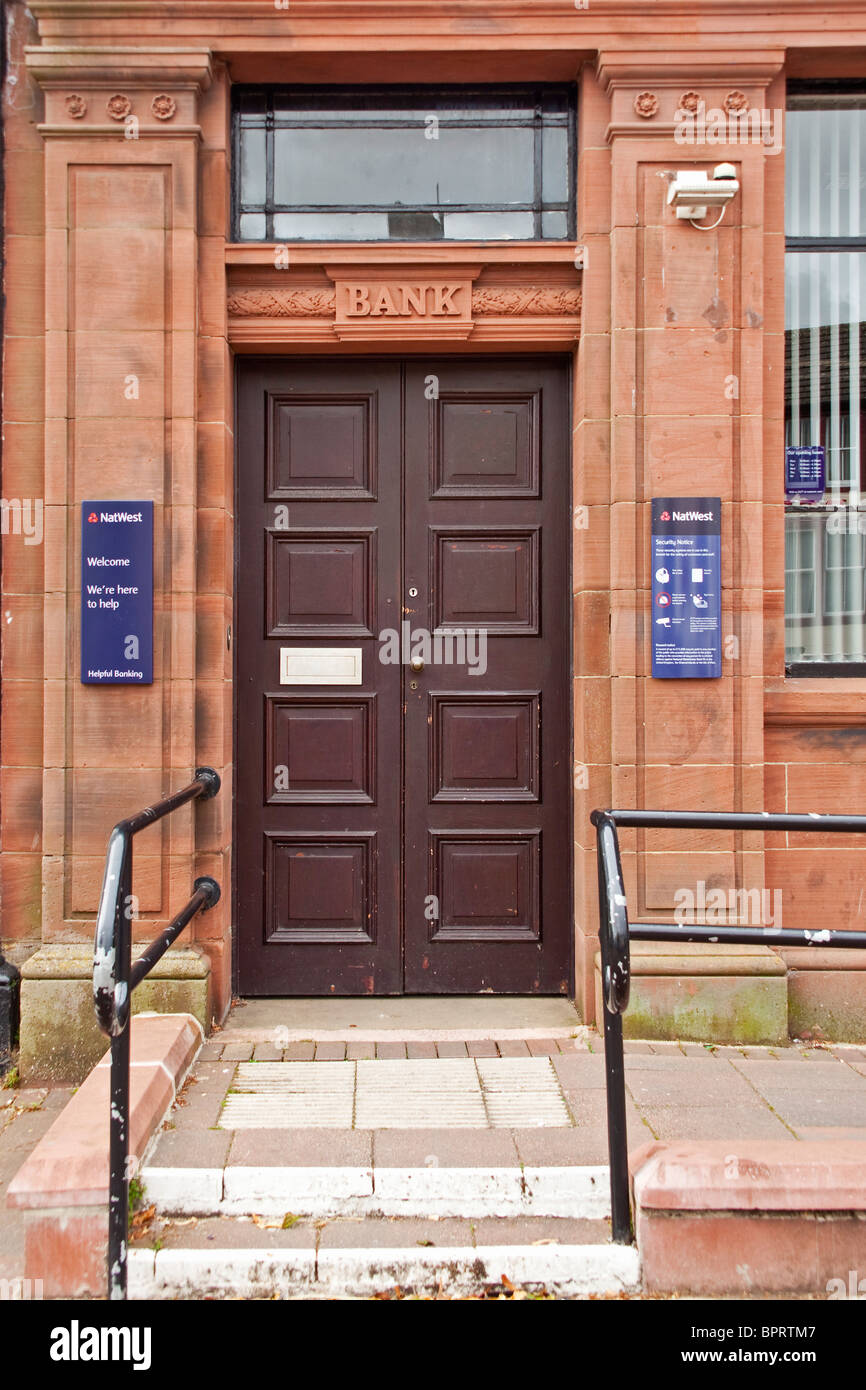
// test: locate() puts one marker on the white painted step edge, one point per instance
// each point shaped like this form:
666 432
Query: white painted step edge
569 1270
577 1192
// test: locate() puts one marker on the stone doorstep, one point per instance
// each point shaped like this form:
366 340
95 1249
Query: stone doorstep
62 1186
727 1218
566 1270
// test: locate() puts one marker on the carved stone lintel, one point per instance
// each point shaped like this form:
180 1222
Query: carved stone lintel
486 302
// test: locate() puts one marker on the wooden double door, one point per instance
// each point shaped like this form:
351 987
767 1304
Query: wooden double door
403 733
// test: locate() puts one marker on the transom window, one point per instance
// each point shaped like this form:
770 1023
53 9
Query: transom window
404 164
825 378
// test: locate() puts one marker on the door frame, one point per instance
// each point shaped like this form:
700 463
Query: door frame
564 359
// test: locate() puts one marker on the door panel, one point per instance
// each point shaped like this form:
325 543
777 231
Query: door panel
487 799
411 832
318 770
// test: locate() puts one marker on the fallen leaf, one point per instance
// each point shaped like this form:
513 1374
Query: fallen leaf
143 1218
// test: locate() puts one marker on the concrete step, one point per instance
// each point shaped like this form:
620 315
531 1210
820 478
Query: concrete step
238 1257
568 1192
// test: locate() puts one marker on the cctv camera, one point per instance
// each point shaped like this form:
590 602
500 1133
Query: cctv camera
692 192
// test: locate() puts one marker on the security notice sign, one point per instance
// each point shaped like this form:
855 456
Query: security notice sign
686 587
117 593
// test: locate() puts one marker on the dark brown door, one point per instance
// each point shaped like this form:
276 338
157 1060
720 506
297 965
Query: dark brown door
408 524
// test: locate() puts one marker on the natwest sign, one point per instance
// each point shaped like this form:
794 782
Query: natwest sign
415 302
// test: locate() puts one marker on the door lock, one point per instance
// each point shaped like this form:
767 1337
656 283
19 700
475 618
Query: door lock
413 592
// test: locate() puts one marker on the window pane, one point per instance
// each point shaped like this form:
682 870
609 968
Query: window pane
825 401
331 226
825 174
253 226
253 167
387 168
554 166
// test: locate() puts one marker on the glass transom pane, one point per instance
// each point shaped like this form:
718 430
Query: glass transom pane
404 164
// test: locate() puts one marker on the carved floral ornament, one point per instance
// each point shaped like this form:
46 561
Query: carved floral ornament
313 303
735 103
690 101
118 106
163 106
646 104
76 106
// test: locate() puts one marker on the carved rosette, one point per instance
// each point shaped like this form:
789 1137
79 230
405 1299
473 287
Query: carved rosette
646 105
118 106
736 103
690 101
76 106
163 106
282 304
565 302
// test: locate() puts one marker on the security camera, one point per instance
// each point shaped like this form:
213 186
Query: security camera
692 191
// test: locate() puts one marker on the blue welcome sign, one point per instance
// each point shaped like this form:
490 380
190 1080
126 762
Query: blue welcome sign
686 587
117 593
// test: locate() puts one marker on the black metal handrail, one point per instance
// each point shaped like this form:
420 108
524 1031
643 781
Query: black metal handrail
114 979
615 932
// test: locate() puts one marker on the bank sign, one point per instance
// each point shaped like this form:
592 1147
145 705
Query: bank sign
686 587
117 593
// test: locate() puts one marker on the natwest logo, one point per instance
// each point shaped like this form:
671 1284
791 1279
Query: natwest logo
93 517
117 516
665 516
688 516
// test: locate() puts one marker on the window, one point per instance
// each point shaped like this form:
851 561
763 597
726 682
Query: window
401 164
825 378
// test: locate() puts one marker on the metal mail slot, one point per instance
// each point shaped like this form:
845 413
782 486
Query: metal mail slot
320 665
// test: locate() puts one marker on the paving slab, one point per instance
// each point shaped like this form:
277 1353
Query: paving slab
444 1148
226 1233
825 1076
394 1232
670 1122
830 1108
540 1230
580 1073
301 1148
191 1148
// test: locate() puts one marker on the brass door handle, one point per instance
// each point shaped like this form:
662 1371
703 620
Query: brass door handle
417 663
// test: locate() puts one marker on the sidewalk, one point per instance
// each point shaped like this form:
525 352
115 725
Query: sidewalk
316 1161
